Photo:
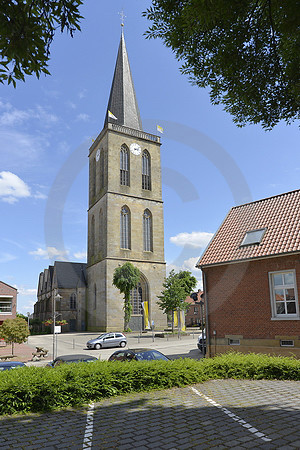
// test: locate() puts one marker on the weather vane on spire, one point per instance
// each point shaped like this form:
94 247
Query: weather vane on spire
122 16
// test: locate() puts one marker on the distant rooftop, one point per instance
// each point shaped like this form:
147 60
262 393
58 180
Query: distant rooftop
278 217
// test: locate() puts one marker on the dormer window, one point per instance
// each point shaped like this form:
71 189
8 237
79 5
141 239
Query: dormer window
253 237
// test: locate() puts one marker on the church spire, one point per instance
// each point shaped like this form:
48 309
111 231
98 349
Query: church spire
122 102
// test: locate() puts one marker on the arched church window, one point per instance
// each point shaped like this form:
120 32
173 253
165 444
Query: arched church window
92 241
147 231
136 298
93 181
146 170
125 228
73 301
124 165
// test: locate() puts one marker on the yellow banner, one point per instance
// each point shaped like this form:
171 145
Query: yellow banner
182 320
146 315
175 319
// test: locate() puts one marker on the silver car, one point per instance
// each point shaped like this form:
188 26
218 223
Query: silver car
108 340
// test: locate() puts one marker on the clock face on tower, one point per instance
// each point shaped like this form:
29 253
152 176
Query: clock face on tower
135 149
98 155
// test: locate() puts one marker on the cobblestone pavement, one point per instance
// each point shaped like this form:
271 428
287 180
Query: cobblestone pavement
224 414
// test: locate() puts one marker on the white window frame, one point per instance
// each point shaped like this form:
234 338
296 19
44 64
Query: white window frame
9 300
276 316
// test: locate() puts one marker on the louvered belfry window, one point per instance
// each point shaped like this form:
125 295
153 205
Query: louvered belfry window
124 166
125 228
146 171
147 230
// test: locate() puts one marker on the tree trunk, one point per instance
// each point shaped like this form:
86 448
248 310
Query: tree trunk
12 348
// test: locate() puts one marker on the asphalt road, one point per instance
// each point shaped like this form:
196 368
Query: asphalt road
73 343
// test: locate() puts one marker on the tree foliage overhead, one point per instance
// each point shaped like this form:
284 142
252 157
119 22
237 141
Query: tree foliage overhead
27 29
177 287
126 278
14 331
247 51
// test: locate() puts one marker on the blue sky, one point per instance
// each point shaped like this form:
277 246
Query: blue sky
47 126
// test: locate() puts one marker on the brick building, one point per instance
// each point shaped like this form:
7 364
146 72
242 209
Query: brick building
193 314
8 302
251 274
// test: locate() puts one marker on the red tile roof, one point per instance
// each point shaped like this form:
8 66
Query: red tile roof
280 215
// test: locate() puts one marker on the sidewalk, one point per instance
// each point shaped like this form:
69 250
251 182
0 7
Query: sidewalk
22 352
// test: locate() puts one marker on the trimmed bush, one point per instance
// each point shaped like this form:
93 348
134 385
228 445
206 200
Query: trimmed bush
37 389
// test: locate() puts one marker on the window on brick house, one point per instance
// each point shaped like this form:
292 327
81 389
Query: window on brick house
5 304
284 298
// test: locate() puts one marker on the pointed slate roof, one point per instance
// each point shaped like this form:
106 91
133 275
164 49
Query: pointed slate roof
122 100
278 215
70 275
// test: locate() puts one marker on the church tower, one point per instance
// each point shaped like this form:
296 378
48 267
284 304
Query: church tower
125 216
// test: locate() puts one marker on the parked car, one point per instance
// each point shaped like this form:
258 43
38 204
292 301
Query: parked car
202 342
139 354
68 359
108 340
8 365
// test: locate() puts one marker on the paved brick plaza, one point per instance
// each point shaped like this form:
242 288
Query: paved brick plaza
225 414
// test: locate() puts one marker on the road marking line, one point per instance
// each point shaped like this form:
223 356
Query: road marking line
233 416
88 433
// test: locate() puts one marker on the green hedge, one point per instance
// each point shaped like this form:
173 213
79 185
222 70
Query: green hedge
36 389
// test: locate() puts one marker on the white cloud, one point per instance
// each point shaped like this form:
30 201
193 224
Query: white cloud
196 239
80 255
83 117
6 257
20 149
188 264
26 291
12 188
191 263
40 195
82 93
14 117
50 253
45 116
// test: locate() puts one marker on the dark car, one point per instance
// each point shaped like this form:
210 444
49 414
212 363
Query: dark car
68 359
202 343
139 354
8 365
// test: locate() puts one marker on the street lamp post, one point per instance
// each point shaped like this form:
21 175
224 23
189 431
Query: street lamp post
28 316
56 296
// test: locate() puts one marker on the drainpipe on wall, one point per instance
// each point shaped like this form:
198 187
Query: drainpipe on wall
206 316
